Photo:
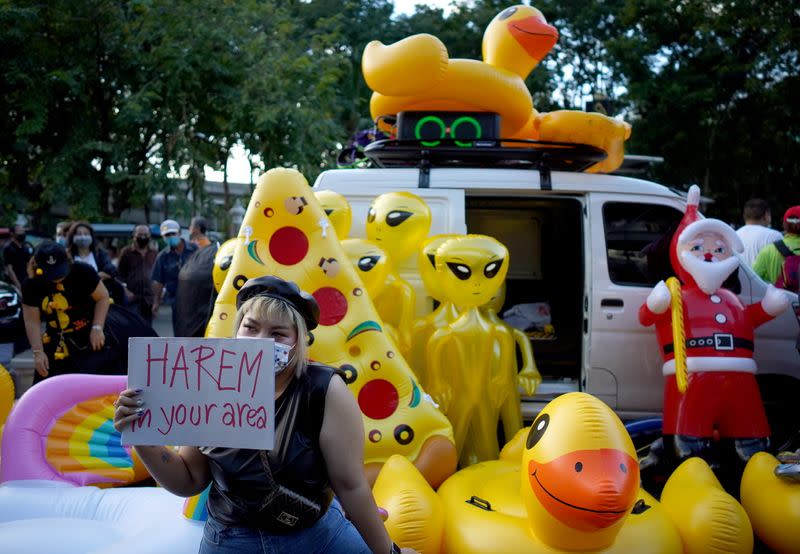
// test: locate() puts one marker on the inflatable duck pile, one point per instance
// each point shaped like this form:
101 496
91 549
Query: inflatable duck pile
568 483
417 74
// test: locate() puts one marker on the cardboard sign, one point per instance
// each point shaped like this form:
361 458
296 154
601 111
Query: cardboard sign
203 392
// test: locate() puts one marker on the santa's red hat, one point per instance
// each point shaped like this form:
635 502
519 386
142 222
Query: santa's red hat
690 216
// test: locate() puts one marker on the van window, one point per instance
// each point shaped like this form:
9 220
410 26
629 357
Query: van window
637 241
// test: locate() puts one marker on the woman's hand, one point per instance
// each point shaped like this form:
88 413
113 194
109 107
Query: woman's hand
128 408
97 338
41 363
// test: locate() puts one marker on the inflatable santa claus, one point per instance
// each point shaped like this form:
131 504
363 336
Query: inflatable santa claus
710 390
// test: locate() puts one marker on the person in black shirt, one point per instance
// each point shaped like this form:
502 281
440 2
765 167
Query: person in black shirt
16 255
73 303
283 497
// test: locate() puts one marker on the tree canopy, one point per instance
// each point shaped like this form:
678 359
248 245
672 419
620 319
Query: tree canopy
104 102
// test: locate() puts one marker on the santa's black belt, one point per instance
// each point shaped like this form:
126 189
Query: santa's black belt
718 341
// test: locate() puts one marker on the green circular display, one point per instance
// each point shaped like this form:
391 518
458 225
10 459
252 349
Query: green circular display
465 119
423 121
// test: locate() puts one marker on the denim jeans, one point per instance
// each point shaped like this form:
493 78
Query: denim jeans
332 534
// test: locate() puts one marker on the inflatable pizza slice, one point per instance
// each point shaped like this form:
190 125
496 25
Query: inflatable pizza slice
286 233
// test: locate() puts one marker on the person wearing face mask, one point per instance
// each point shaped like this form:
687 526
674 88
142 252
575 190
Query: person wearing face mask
62 228
167 266
83 247
73 302
136 263
319 448
16 255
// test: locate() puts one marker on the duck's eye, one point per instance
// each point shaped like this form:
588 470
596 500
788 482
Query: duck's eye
432 259
492 268
371 215
226 263
537 430
396 217
507 13
461 271
366 263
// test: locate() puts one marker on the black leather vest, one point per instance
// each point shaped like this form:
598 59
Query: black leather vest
239 485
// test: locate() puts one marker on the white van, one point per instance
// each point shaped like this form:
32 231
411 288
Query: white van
591 246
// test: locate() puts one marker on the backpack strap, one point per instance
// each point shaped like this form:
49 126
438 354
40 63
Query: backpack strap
784 250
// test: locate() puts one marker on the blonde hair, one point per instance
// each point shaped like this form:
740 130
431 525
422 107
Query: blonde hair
279 312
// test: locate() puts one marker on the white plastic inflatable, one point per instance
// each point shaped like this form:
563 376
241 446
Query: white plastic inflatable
46 516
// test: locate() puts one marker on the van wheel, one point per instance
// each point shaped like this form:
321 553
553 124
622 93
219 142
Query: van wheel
779 394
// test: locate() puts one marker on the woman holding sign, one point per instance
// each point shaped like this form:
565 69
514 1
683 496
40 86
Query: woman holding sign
281 500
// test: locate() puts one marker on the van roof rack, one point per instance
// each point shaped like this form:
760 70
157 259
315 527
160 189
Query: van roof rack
545 156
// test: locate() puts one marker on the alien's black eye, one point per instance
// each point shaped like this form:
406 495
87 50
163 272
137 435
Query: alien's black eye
371 215
328 211
368 262
396 217
461 271
492 268
537 430
432 259
507 13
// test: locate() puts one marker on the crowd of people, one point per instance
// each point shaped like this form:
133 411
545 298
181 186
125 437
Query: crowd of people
80 301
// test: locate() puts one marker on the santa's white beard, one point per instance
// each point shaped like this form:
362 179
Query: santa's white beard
709 276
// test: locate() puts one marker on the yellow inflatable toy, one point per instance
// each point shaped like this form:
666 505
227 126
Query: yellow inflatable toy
416 516
6 396
471 370
595 129
370 261
398 222
529 376
337 208
772 503
416 73
569 483
444 314
283 234
708 518
222 261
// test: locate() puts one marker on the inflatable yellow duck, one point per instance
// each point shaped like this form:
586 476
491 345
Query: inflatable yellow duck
772 503
398 222
285 232
6 396
574 486
337 208
708 518
416 73
569 483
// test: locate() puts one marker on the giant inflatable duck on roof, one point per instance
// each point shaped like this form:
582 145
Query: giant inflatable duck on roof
417 74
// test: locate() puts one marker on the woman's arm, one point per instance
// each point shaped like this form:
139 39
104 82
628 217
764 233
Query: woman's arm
33 329
342 444
102 301
184 473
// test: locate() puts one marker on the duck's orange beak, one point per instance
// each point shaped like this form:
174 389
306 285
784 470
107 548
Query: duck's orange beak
534 35
587 490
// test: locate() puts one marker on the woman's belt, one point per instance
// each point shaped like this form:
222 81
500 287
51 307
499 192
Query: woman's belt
717 341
